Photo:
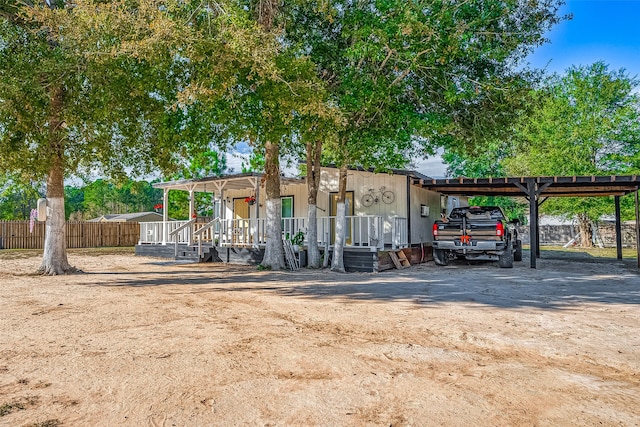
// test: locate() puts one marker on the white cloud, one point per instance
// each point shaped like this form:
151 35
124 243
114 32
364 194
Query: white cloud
431 166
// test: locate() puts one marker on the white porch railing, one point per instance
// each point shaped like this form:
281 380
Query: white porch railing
362 231
183 234
152 232
206 233
400 233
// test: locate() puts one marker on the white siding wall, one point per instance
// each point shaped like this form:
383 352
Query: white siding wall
297 191
421 227
299 194
360 182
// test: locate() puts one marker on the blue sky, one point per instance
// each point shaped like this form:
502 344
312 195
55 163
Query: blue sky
607 30
601 30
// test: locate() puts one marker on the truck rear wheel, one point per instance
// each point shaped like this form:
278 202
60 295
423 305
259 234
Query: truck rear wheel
506 259
440 257
517 256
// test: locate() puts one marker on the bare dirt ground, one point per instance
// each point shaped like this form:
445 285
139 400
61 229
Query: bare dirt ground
140 341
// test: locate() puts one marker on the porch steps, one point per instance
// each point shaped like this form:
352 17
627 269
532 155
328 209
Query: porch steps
399 259
188 253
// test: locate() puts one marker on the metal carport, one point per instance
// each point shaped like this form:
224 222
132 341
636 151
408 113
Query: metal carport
538 189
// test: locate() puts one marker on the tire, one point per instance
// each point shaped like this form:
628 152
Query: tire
367 200
440 257
517 256
388 197
506 259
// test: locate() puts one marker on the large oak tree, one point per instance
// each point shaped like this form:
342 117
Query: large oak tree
94 87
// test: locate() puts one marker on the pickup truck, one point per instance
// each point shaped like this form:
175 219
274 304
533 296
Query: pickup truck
476 233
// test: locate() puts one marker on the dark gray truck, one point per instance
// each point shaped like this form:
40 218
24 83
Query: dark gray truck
476 233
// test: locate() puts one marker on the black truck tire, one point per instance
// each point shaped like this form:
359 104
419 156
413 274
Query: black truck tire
506 259
440 257
517 256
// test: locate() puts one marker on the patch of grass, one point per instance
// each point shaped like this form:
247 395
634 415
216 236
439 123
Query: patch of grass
9 254
20 253
263 267
7 408
594 252
122 250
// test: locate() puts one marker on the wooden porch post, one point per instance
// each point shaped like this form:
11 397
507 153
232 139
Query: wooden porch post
192 213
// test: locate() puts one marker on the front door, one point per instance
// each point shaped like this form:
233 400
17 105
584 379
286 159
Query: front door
333 209
240 209
240 231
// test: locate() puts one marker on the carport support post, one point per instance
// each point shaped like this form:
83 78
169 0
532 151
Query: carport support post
533 221
618 228
537 230
637 229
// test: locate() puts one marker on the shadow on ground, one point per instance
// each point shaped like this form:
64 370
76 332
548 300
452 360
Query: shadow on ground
561 281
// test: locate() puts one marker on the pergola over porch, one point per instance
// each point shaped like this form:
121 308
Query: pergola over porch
217 186
538 189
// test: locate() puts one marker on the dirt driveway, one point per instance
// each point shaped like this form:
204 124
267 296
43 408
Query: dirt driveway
139 341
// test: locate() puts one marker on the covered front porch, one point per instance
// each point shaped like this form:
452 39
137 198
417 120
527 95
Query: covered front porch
239 222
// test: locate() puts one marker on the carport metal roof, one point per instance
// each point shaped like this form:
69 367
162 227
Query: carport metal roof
537 189
551 186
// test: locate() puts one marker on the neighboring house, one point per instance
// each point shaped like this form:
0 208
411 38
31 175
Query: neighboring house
385 212
129 217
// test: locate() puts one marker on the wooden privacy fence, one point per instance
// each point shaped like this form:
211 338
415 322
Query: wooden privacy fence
80 234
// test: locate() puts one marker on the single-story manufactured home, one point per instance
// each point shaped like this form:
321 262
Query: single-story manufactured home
385 212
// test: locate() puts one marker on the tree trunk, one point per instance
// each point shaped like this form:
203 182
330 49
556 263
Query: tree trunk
341 220
54 259
586 231
314 149
274 251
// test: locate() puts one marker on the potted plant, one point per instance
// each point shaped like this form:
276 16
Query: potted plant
297 240
251 200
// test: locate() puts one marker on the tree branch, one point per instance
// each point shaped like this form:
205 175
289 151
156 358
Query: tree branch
387 58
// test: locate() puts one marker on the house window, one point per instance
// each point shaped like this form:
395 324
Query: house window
287 207
287 212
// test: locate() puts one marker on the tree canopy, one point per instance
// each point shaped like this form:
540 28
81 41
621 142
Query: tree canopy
134 85
585 121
